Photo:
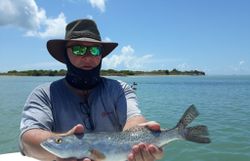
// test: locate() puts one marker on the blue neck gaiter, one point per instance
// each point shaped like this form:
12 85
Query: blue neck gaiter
82 79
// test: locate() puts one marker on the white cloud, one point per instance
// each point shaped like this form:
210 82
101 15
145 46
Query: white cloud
183 66
107 39
100 4
126 59
241 62
22 13
240 67
90 17
27 15
53 27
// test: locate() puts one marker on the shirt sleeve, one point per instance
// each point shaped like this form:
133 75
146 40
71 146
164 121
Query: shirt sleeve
37 111
131 101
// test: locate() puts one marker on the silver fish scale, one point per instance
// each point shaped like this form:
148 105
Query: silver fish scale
135 135
131 136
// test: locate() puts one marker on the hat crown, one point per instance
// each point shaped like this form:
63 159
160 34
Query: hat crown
83 28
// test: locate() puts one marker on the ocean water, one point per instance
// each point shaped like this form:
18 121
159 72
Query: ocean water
223 103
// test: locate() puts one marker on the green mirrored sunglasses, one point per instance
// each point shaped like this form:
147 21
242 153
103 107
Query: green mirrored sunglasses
79 50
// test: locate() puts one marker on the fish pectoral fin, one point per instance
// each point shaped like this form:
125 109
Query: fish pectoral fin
96 154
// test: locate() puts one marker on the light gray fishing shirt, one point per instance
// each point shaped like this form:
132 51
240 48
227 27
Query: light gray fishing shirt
55 107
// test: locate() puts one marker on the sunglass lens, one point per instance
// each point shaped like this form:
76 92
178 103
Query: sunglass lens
95 51
79 50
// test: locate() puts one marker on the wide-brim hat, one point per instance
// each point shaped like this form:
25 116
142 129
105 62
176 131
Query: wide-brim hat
83 30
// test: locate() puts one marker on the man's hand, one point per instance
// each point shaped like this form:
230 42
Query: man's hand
78 129
146 152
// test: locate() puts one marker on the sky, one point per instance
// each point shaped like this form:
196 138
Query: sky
207 35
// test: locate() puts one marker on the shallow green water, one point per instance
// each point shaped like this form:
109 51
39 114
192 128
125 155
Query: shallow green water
223 103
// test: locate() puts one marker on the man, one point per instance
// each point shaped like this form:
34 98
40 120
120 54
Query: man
83 101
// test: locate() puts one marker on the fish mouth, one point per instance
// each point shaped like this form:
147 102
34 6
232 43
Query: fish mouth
48 147
45 145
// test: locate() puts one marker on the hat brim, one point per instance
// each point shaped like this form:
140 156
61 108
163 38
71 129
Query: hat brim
57 47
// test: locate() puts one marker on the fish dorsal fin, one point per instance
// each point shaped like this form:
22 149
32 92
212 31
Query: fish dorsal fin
96 154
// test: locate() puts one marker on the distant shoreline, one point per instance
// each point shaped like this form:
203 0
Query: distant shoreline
109 72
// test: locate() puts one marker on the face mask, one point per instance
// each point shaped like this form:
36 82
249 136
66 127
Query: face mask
82 79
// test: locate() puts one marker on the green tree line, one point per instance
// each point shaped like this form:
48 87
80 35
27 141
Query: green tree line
109 72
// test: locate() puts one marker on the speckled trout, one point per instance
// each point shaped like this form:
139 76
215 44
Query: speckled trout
115 146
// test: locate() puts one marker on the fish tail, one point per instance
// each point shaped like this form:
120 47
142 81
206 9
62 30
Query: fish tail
190 114
197 133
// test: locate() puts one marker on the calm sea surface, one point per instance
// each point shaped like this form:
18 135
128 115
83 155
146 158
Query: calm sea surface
223 103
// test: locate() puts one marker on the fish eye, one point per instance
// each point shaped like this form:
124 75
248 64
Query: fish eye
58 140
